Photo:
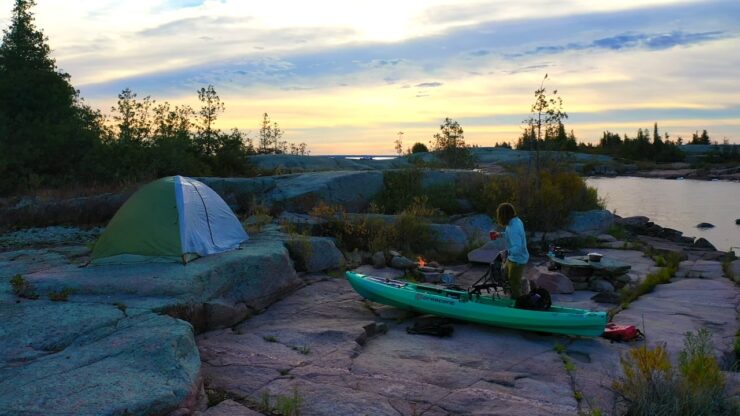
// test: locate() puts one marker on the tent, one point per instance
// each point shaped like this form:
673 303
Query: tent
173 218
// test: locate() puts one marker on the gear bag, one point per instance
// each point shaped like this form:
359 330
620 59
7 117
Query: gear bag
622 333
538 299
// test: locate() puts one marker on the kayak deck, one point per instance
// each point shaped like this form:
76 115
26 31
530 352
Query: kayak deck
459 304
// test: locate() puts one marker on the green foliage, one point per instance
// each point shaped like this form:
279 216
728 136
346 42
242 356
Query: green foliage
653 279
303 349
44 124
289 405
60 296
651 386
641 148
449 146
618 232
559 348
546 209
399 189
23 288
419 148
410 232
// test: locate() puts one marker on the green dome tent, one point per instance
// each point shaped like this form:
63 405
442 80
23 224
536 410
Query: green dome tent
173 218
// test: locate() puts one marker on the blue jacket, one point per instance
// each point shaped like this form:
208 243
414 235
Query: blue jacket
516 241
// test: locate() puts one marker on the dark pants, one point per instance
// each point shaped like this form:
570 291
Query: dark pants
514 272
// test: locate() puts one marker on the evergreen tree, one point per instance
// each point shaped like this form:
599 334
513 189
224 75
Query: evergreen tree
45 129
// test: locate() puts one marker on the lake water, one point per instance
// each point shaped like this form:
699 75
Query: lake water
678 204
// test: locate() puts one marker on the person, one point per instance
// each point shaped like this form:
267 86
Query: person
516 243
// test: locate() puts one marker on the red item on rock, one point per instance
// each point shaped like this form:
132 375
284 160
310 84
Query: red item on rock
493 235
616 332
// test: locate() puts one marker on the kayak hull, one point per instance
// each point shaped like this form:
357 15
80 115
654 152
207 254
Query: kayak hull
435 300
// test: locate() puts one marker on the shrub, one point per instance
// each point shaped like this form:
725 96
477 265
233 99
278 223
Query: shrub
651 386
60 296
399 189
542 204
23 288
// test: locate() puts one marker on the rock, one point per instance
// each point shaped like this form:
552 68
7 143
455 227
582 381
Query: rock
737 221
476 227
601 285
580 285
378 260
554 282
623 278
230 408
301 222
257 275
704 244
704 225
79 211
94 360
703 269
606 238
636 223
402 263
221 313
556 236
488 252
353 259
664 247
449 240
48 236
300 193
735 267
591 222
606 297
315 254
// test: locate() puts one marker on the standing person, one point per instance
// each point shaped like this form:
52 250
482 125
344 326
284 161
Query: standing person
516 243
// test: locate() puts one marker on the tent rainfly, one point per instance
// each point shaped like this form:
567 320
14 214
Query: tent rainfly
173 218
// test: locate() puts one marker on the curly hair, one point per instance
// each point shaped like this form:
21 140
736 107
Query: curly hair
504 213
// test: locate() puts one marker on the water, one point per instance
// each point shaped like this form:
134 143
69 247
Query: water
678 204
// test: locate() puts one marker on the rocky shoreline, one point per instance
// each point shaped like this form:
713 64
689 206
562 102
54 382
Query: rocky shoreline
245 332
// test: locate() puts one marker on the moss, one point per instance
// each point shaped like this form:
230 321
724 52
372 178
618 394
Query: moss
60 296
23 288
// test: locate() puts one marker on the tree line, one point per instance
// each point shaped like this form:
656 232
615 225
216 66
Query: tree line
50 137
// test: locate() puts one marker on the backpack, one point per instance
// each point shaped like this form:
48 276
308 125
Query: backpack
431 325
622 333
538 299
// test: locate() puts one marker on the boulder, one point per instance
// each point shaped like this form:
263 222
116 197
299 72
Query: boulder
222 313
580 285
449 240
702 243
606 297
476 227
554 282
636 223
402 263
378 260
601 285
79 211
91 359
230 408
300 193
301 222
590 222
487 252
606 238
735 268
314 254
704 225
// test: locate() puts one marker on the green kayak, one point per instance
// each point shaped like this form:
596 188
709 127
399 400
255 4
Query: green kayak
459 304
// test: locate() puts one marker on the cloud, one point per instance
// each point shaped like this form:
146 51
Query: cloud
429 85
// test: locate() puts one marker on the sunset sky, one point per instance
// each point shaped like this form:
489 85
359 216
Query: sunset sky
346 76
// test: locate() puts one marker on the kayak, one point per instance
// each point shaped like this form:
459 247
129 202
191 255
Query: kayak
482 309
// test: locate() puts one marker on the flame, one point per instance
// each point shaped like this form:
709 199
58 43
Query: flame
421 261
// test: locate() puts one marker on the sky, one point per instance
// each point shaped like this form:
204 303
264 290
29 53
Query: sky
346 76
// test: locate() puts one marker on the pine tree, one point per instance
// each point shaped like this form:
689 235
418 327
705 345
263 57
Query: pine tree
45 130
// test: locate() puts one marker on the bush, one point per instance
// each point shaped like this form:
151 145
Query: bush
402 187
542 204
651 386
410 232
